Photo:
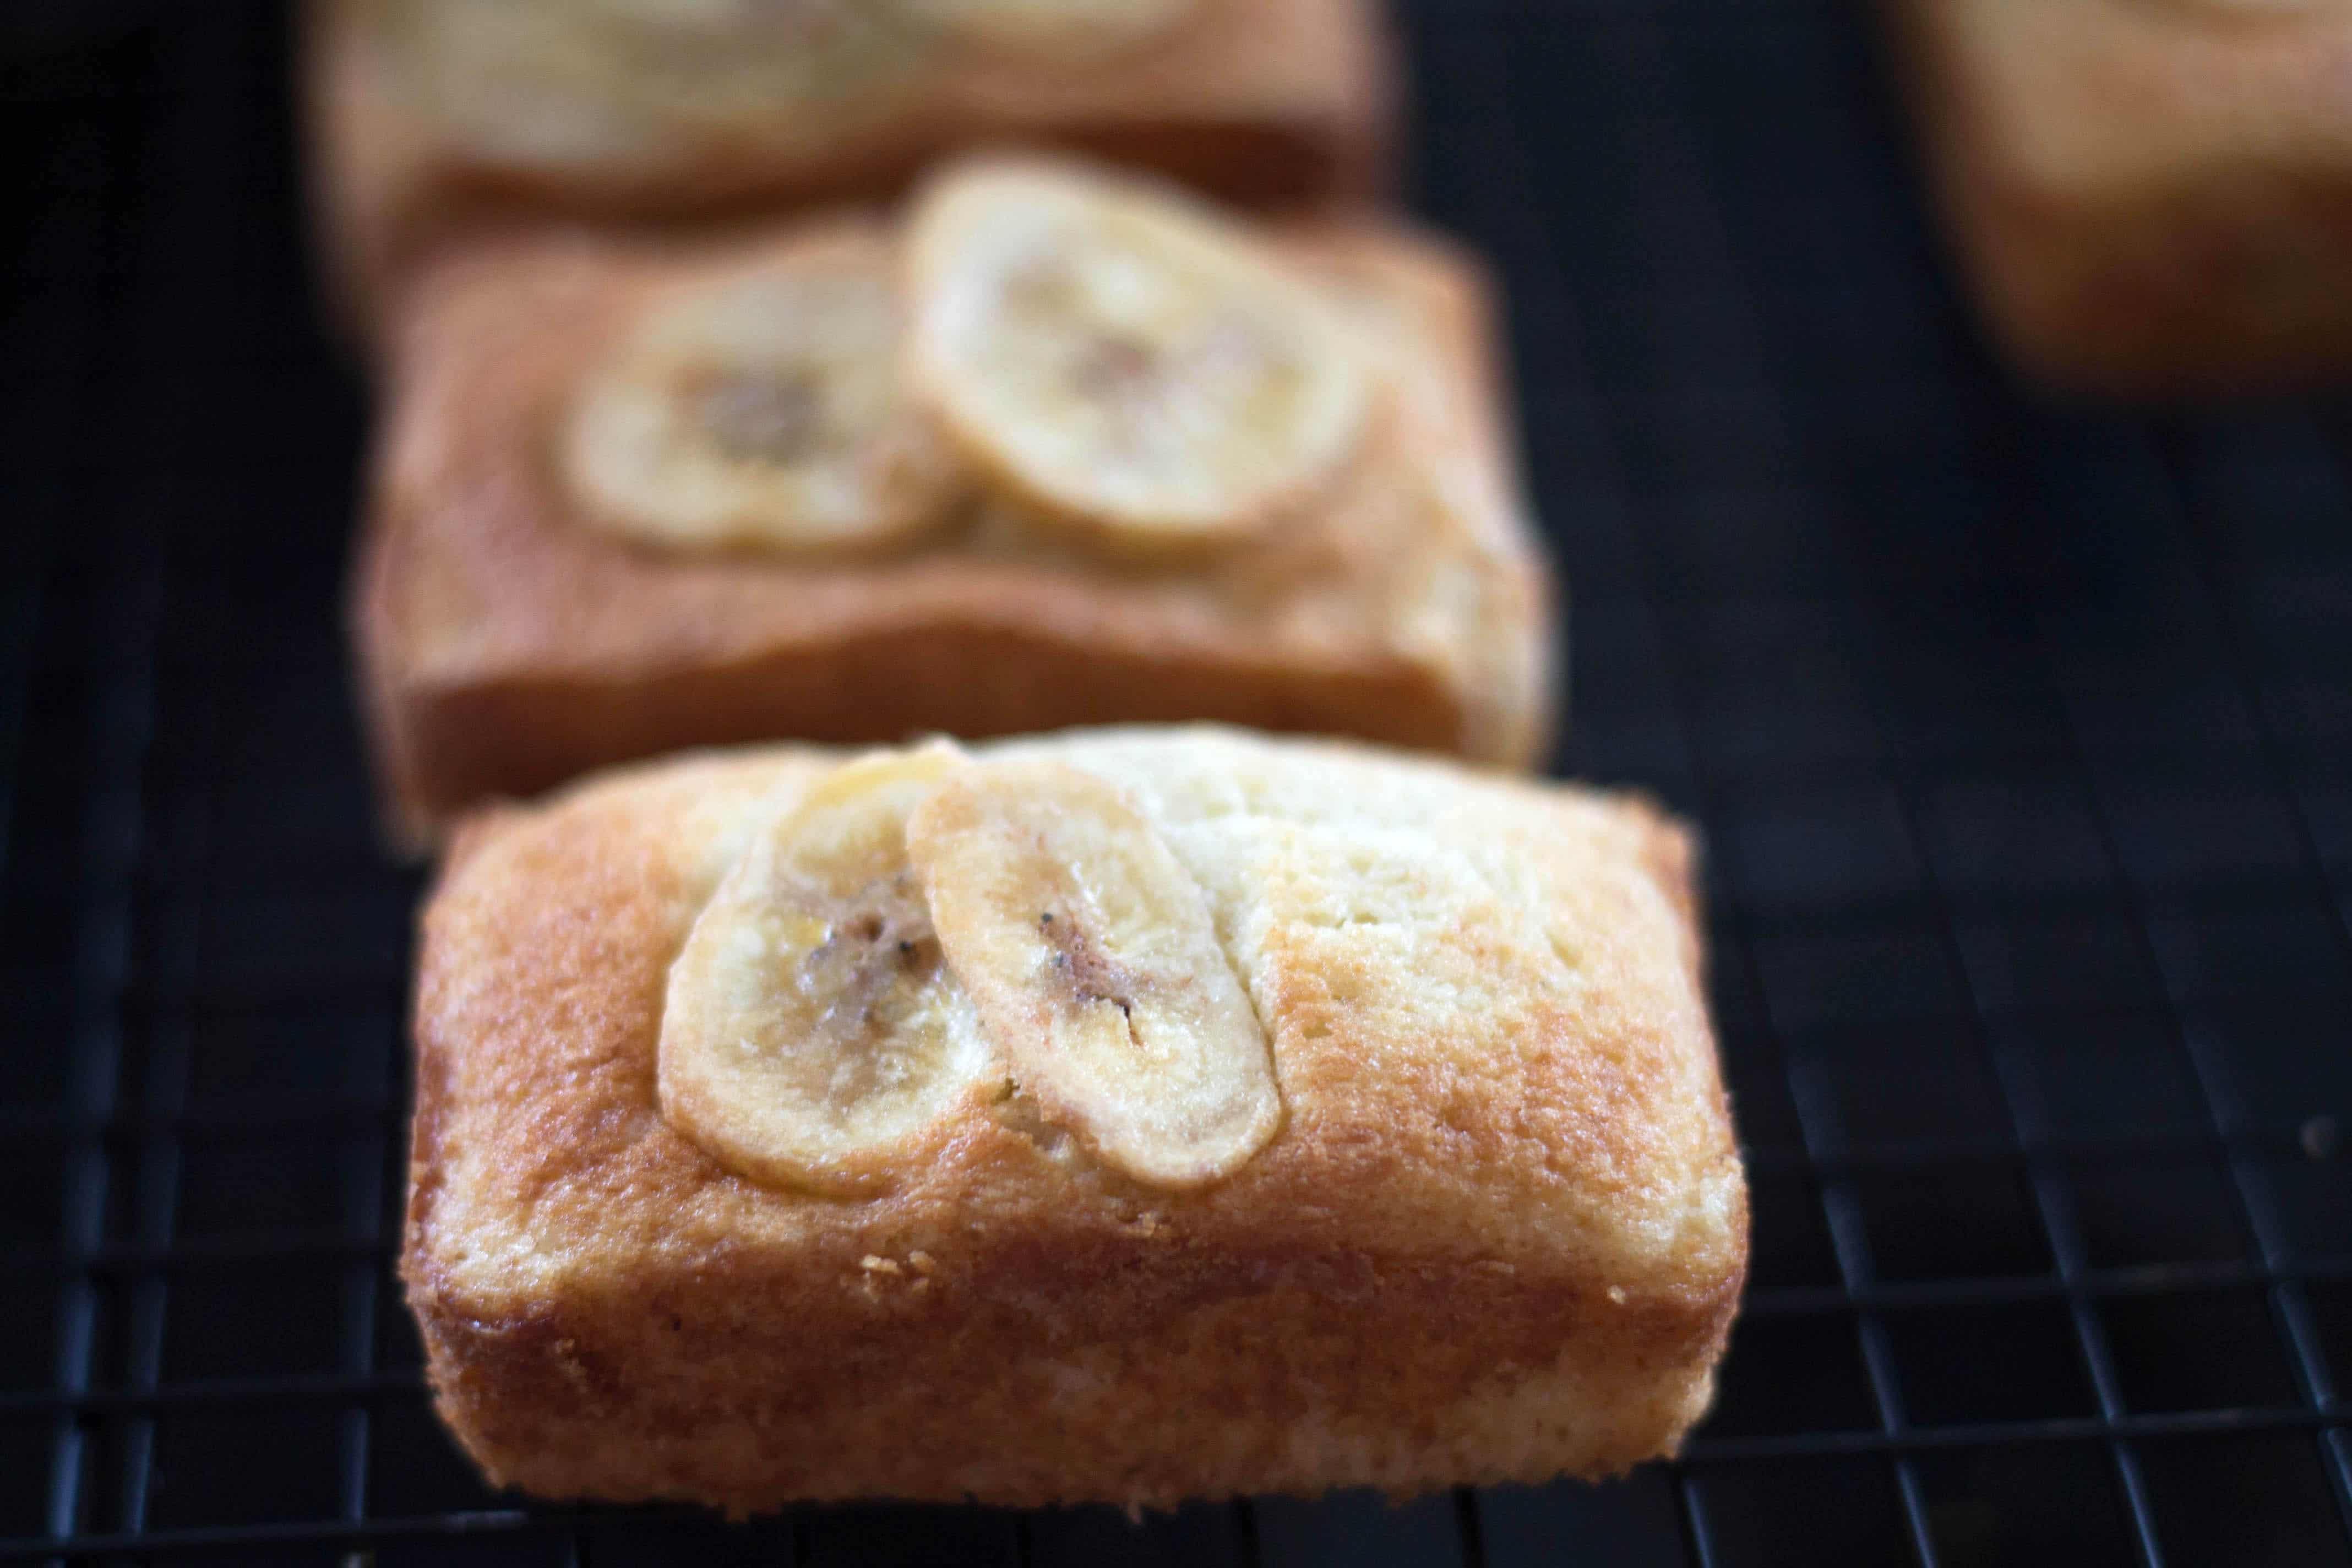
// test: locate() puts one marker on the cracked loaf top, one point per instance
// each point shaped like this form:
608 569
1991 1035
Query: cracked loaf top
1016 1010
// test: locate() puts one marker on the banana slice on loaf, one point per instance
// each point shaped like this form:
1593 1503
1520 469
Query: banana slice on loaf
830 1005
763 409
812 1032
1089 950
1123 358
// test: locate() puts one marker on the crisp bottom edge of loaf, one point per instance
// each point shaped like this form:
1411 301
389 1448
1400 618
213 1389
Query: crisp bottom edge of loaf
1528 1428
681 1388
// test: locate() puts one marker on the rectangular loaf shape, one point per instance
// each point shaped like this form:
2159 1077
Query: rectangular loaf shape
507 645
1497 1231
1276 103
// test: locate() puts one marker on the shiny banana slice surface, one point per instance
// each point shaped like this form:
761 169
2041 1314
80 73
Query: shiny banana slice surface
813 1036
1090 954
1124 358
763 410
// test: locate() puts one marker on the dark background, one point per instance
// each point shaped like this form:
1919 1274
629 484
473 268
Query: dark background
2021 735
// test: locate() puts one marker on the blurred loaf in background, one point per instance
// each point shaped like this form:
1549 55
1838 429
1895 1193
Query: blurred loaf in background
1061 446
2148 197
433 117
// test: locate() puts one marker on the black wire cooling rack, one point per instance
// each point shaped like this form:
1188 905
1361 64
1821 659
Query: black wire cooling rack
2023 738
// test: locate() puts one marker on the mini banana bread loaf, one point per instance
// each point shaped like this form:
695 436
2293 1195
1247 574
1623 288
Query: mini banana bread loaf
439 119
1062 447
2150 198
1128 1115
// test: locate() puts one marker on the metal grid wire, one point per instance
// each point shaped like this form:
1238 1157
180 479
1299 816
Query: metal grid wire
2020 736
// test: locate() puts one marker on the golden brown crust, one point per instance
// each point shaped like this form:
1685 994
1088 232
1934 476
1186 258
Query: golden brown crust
2152 197
1272 103
505 648
1499 1237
